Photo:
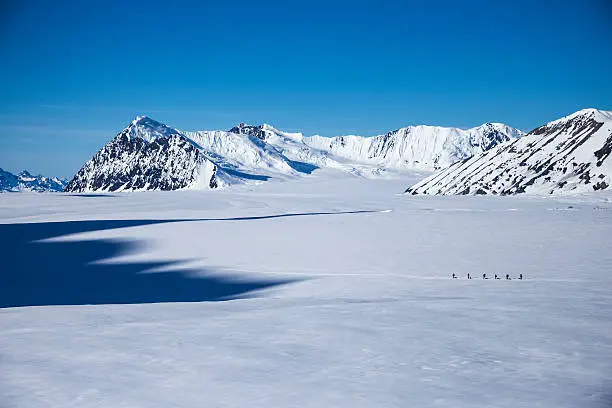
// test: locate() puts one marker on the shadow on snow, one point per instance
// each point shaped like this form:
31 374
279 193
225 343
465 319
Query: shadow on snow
35 273
302 167
247 176
91 195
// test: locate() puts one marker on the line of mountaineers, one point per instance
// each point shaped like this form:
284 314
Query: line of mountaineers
484 276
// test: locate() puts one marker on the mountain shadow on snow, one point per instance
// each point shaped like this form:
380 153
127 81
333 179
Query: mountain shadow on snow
44 273
36 273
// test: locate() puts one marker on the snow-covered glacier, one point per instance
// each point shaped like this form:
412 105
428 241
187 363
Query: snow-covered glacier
341 296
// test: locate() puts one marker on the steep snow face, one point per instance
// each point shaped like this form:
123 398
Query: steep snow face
417 147
300 156
146 156
571 154
242 151
25 181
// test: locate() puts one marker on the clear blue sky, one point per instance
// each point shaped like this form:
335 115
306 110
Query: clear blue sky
73 74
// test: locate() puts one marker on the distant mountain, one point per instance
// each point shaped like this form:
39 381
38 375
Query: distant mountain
148 155
571 154
25 181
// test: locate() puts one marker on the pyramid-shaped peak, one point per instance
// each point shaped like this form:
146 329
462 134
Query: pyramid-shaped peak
148 129
143 120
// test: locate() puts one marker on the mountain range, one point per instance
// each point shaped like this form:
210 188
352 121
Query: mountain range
149 155
567 155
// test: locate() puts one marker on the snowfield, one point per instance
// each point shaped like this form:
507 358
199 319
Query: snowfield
327 291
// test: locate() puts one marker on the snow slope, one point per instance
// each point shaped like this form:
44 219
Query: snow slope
371 318
568 155
25 181
242 152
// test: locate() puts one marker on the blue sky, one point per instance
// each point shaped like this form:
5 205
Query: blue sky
75 73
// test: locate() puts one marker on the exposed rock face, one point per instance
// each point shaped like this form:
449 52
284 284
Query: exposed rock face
146 156
255 131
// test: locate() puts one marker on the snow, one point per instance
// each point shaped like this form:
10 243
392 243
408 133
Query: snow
365 313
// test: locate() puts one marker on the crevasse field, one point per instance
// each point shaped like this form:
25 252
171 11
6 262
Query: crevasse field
330 291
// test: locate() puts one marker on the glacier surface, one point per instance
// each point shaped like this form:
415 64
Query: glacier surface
363 312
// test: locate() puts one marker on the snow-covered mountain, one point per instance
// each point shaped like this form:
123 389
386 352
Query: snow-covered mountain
417 147
149 155
571 154
25 181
